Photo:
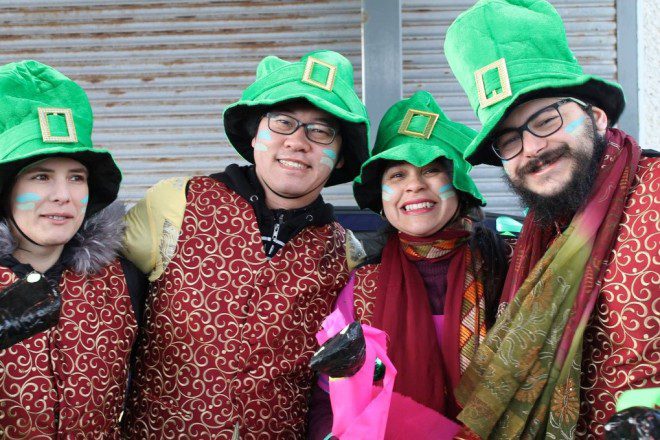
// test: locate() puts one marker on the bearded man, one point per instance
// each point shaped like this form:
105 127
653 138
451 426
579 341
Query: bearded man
579 320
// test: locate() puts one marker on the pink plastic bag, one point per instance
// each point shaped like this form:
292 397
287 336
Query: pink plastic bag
359 408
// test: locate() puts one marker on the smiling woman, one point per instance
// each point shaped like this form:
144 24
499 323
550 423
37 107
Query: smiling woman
47 205
434 286
65 294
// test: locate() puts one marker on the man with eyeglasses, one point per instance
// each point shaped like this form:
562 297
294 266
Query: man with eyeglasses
245 264
579 322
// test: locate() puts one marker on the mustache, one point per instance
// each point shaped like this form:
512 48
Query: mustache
541 160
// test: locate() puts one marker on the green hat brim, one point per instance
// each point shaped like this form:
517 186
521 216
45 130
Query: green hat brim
367 186
104 175
354 129
599 92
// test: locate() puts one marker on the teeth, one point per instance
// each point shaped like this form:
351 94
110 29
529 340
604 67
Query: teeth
422 205
292 164
56 217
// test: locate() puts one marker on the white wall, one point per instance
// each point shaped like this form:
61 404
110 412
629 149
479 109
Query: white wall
649 73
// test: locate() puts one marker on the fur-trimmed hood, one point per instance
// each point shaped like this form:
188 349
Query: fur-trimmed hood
94 246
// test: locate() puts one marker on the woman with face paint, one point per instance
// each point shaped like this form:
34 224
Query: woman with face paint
435 284
68 304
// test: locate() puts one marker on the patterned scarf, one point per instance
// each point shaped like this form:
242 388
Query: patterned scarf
525 378
403 311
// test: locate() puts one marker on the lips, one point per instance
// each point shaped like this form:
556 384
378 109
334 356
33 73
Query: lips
293 164
418 205
57 216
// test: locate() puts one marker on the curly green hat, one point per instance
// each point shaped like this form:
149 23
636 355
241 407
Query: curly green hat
505 52
325 79
42 114
416 130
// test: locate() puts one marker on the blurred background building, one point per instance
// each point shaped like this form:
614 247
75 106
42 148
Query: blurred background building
159 73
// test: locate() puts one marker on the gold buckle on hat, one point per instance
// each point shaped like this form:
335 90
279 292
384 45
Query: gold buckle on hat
46 136
309 68
496 97
404 128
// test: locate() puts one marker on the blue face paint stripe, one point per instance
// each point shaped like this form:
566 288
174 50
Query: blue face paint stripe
85 200
330 153
264 134
570 128
447 187
28 197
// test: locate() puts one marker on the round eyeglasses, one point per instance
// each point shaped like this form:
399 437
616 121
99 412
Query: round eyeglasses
508 143
314 131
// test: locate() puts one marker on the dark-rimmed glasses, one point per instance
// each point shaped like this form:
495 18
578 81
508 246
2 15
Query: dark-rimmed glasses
508 143
314 131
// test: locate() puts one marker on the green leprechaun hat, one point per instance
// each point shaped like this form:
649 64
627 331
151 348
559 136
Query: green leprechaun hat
416 130
505 52
325 79
42 114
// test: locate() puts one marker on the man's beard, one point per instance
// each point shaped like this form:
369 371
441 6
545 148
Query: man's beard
562 206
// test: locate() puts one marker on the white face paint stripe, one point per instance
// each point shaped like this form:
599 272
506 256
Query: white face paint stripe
387 193
447 194
328 162
260 147
25 206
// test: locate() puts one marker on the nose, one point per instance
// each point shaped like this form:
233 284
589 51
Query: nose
415 183
532 144
60 192
297 140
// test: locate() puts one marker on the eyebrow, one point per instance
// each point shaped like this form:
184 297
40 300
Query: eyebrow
41 169
327 121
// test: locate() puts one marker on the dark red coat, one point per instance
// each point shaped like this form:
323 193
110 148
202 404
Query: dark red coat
70 381
229 333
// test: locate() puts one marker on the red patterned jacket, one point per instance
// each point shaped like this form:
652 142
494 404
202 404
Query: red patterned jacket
621 348
70 381
229 333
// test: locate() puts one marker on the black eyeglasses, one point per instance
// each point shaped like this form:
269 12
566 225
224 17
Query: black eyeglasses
508 143
315 132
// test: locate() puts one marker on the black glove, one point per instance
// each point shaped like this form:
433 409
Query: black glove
635 423
27 307
342 355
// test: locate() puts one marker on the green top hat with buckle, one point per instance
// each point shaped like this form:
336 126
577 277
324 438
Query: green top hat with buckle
505 52
42 114
325 79
415 130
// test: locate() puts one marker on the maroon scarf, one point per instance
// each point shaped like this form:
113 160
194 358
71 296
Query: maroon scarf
403 311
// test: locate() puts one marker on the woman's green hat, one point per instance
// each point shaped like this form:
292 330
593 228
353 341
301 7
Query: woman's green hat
325 79
505 52
42 114
415 130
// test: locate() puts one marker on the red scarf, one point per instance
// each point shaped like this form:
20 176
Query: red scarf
403 311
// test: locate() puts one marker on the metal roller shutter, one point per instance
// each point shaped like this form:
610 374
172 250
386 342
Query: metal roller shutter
160 73
591 31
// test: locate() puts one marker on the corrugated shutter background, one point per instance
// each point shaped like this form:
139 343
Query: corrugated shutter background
160 73
591 31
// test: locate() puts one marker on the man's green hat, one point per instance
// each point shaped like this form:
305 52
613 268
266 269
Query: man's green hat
325 79
45 114
506 52
415 130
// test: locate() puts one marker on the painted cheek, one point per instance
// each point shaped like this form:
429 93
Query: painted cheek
446 191
263 139
388 192
26 201
329 158
570 128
